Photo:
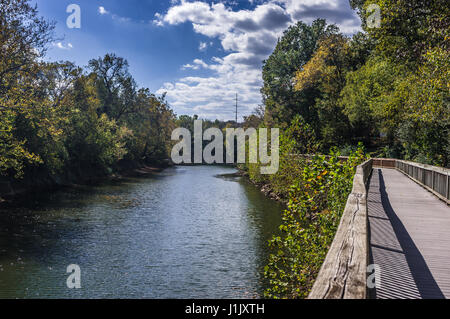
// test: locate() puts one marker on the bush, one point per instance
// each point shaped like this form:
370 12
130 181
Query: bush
316 202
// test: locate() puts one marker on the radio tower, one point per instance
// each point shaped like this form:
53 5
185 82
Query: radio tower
236 109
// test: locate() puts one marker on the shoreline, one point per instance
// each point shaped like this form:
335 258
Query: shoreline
265 188
11 192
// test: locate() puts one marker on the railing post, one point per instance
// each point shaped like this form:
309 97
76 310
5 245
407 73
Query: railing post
448 186
432 180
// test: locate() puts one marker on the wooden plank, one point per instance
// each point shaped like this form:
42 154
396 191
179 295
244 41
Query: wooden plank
343 273
416 224
395 275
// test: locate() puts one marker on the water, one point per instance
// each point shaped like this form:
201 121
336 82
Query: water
182 233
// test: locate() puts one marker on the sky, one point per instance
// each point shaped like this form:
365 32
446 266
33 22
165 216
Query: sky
201 53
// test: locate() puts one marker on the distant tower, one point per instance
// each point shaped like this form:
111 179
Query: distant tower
236 109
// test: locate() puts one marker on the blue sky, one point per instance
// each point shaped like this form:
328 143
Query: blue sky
200 52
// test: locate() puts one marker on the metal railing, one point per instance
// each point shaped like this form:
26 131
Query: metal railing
435 179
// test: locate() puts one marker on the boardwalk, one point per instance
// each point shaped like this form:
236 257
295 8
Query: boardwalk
409 236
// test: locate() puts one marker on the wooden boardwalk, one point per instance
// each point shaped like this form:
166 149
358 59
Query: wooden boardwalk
409 238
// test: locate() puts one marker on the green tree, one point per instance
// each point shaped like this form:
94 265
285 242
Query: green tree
425 133
293 50
410 27
116 87
366 96
326 72
23 39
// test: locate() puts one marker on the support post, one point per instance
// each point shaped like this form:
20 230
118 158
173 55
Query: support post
448 186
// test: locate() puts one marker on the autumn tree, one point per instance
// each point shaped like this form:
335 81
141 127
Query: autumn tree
23 39
294 49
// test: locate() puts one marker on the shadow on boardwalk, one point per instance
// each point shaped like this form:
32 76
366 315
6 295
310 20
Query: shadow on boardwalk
404 271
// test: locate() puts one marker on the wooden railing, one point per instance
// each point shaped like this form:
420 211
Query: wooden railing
435 179
343 273
384 162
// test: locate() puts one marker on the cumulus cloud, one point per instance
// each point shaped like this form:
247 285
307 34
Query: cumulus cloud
247 37
335 11
197 64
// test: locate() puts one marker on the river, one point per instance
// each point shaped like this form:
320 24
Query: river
186 232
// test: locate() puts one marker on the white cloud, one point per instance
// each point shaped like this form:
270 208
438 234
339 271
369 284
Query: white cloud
335 11
197 64
247 38
203 46
61 46
102 10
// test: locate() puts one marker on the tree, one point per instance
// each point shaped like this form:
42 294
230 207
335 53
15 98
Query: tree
293 50
326 72
255 119
23 39
410 27
116 87
425 133
365 98
93 141
361 48
56 118
327 66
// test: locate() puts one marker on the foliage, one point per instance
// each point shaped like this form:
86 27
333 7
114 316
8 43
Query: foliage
326 72
387 87
316 201
365 95
23 36
425 134
57 117
293 50
298 138
410 27
93 140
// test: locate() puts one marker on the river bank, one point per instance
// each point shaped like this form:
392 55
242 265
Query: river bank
265 187
14 189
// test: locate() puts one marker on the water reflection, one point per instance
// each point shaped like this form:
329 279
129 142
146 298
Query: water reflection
182 233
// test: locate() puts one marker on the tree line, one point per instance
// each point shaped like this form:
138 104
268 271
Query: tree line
387 86
57 117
